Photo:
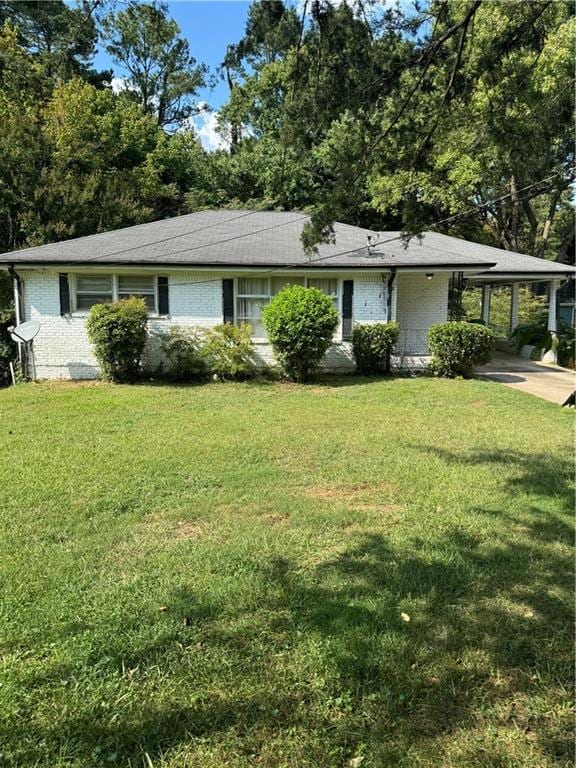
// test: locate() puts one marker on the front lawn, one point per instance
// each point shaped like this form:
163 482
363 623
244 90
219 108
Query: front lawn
282 576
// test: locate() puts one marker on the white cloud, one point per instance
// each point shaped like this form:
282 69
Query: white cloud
119 84
205 125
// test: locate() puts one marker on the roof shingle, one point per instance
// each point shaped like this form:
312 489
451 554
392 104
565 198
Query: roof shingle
226 238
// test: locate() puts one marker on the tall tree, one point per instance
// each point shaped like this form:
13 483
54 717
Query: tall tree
60 36
162 73
480 117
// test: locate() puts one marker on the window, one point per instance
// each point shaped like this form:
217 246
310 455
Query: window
93 289
327 285
141 286
99 289
253 293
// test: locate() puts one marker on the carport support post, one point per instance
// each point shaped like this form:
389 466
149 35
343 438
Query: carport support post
486 304
551 356
514 306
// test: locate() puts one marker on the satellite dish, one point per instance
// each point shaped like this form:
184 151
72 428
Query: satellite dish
25 332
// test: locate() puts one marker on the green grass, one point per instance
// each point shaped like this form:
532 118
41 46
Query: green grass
216 576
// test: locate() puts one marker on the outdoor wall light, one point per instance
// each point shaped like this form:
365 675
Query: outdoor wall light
429 275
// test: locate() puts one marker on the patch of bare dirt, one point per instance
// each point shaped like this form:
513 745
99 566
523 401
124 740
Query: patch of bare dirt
350 492
187 529
276 519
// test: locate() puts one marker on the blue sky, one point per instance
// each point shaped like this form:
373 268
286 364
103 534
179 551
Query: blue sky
209 26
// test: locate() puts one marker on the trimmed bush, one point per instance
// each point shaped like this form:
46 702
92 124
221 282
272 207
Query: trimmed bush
458 347
228 351
300 323
118 333
185 351
372 346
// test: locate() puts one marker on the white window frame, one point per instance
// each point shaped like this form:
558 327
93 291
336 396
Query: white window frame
115 289
268 297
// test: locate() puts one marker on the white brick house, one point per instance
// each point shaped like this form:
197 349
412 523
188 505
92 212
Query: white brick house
223 266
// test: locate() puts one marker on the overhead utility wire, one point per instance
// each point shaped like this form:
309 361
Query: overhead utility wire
172 237
437 223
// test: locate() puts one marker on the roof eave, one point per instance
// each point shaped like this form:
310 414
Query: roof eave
446 266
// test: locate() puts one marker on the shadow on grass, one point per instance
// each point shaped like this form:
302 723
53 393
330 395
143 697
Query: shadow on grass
490 631
535 473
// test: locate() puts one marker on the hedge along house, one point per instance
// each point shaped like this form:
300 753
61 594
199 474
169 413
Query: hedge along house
210 267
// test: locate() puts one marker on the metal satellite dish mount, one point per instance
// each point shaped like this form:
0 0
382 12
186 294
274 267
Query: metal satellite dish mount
23 335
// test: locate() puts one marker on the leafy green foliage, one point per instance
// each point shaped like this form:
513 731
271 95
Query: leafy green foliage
458 347
81 159
537 335
61 38
300 323
228 350
530 307
183 348
118 333
373 345
163 74
7 318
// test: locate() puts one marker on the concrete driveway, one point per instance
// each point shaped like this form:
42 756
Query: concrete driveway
545 381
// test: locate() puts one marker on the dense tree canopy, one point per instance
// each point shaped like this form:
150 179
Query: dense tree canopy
162 73
383 116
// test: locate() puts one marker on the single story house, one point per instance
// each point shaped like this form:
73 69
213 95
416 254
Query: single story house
218 266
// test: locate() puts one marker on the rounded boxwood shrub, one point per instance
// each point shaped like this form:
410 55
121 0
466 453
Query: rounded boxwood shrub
118 333
372 346
458 347
300 323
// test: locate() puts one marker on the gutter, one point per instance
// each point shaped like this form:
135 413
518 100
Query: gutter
235 267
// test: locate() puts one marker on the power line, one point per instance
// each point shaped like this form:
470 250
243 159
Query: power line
172 237
404 237
437 223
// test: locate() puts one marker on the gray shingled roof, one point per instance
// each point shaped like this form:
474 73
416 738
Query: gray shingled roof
225 238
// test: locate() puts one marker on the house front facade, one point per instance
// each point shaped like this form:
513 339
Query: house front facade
211 267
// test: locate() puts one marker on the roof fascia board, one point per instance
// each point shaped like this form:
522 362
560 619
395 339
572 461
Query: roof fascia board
170 266
522 276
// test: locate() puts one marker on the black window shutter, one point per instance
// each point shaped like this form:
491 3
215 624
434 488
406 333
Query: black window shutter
228 300
347 294
163 302
64 294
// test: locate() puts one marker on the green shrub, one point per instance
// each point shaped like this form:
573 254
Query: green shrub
184 348
118 333
537 335
8 348
228 351
300 323
458 347
372 346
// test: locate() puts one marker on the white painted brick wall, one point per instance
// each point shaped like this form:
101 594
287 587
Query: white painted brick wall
62 349
420 303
